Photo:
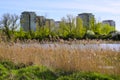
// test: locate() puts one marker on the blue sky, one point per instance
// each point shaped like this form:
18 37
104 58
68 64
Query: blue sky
56 9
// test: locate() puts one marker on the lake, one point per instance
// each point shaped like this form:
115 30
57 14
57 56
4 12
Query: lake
115 47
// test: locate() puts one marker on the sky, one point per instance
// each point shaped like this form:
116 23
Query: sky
56 9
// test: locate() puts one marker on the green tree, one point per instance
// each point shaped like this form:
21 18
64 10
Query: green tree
80 30
92 24
97 28
106 29
63 30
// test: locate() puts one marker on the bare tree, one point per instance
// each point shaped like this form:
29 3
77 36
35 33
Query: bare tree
71 22
8 23
14 24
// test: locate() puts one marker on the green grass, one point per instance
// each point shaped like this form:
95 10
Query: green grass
24 73
11 71
86 76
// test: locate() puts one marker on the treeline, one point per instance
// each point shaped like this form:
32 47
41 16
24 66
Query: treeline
67 30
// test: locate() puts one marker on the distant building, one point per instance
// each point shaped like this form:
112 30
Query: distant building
28 21
40 21
86 18
49 22
57 23
110 22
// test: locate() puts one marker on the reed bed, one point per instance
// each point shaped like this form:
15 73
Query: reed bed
63 57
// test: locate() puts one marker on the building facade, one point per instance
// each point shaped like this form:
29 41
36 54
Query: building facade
40 21
110 22
57 23
28 21
50 22
86 18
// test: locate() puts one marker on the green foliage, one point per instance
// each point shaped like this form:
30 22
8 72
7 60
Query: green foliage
80 30
3 72
106 29
20 34
90 34
42 33
103 29
63 30
86 76
67 29
8 64
24 73
11 71
35 73
92 24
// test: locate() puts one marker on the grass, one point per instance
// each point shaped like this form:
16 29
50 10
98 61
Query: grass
86 76
60 57
25 73
33 72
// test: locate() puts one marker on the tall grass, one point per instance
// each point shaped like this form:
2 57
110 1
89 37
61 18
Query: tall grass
63 57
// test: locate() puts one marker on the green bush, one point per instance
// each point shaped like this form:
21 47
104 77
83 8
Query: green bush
8 64
3 72
35 73
11 71
86 76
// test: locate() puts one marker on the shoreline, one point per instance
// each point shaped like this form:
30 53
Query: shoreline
61 41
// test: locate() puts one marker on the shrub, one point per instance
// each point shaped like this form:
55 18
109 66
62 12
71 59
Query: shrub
85 76
10 71
8 64
3 72
35 73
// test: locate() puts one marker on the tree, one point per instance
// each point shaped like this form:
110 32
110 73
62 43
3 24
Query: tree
63 29
80 30
67 27
97 28
14 24
71 23
92 24
106 29
8 23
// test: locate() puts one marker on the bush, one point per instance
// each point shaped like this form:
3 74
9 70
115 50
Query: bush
85 76
43 73
35 73
116 36
3 72
8 64
11 71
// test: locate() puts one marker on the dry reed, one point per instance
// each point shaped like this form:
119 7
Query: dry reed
63 57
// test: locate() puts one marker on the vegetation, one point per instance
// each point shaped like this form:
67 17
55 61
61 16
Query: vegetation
63 57
66 30
33 72
24 73
8 24
34 61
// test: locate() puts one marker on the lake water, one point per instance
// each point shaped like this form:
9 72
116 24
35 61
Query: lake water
115 47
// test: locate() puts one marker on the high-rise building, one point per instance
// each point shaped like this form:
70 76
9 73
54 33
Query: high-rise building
49 22
110 22
28 21
40 21
86 18
57 23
